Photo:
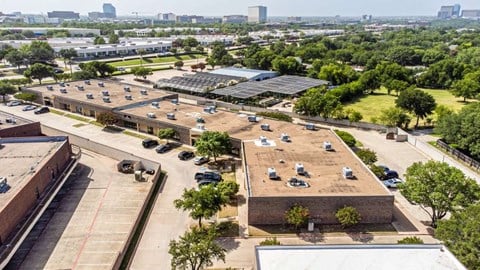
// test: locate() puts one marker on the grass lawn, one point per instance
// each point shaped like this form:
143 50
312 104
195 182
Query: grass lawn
155 60
135 134
371 105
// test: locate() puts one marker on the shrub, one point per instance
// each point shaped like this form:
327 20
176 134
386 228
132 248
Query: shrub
367 156
297 215
379 172
346 137
270 242
348 216
276 115
410 240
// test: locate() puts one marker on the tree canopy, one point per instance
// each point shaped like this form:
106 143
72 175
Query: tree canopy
6 89
417 102
39 72
213 144
297 215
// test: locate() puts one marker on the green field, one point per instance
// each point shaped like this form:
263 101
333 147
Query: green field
371 105
155 60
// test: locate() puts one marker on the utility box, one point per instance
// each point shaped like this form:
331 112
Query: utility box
252 118
265 127
347 173
327 146
284 137
299 168
310 126
272 173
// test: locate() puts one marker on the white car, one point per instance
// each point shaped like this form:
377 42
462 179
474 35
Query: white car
14 103
392 183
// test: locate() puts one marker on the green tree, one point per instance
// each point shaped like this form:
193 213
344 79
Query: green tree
396 85
466 88
202 203
190 42
96 67
39 52
195 249
367 156
68 55
337 74
113 39
355 116
141 72
417 102
219 55
438 188
141 53
228 188
28 97
348 216
213 144
288 65
16 58
412 240
270 241
99 40
179 64
106 118
315 103
39 72
461 235
394 117
6 89
166 133
297 215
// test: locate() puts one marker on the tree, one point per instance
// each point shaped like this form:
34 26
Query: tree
106 118
461 235
466 88
190 42
179 64
28 97
228 188
438 188
141 72
394 117
417 102
289 65
315 103
6 89
113 39
219 55
99 40
68 55
166 133
39 52
355 116
297 215
39 72
94 67
16 57
367 156
213 144
195 249
397 85
348 216
141 53
337 74
202 203
346 137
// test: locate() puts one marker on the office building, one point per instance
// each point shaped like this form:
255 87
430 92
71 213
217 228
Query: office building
109 10
65 15
448 12
166 17
257 14
471 13
234 19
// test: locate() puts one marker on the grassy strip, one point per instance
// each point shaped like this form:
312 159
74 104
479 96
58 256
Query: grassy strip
93 122
155 60
57 111
78 117
141 225
79 125
134 134
156 68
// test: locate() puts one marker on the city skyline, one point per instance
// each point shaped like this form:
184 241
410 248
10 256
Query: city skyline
221 7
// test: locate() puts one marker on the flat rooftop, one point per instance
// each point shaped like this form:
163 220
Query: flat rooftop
116 93
18 158
359 257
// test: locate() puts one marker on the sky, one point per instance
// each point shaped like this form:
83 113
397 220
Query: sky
229 7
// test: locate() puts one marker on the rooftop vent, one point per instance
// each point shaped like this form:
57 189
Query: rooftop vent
299 168
347 173
80 87
89 96
156 104
105 93
101 84
327 146
209 109
200 120
49 87
284 137
263 140
87 82
265 127
272 173
151 115
128 97
63 90
252 118
200 126
62 84
171 116
310 126
106 99
143 92
126 88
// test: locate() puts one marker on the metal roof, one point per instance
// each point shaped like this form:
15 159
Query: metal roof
244 72
286 85
200 82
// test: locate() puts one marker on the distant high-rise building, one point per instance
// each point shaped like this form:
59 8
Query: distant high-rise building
447 12
64 15
257 14
234 19
109 10
166 17
456 10
471 13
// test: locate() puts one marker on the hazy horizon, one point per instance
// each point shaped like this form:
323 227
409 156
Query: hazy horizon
222 7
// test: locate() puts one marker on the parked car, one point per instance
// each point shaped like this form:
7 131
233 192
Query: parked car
147 143
162 148
392 183
390 174
210 175
184 155
29 108
14 103
200 160
206 182
41 110
385 168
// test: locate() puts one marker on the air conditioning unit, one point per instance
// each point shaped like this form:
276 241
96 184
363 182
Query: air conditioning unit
200 126
265 127
63 90
151 115
87 82
49 87
175 101
299 168
263 140
143 92
327 146
347 173
128 97
252 118
272 173
171 116
310 126
89 96
80 87
284 137
105 93
156 104
126 88
62 84
101 84
106 99
209 109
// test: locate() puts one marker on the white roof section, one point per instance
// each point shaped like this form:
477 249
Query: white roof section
245 73
358 257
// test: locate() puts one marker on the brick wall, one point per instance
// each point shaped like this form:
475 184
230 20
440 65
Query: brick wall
271 210
26 198
26 130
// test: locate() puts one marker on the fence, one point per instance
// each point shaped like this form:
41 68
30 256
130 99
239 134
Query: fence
459 155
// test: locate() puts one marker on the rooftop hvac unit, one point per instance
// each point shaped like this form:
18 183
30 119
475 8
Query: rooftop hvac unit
143 92
209 109
151 115
200 126
80 87
126 88
101 84
87 82
299 168
327 146
171 116
252 118
105 93
62 84
310 126
284 137
128 97
175 101
49 87
63 90
138 176
89 96
106 99
3 180
272 173
265 127
347 173
200 120
263 140
155 104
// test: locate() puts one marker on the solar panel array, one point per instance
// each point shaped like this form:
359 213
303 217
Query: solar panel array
286 85
199 82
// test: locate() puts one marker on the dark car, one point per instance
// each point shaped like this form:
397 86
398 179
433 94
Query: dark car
212 176
162 148
206 182
41 110
147 143
184 155
390 174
